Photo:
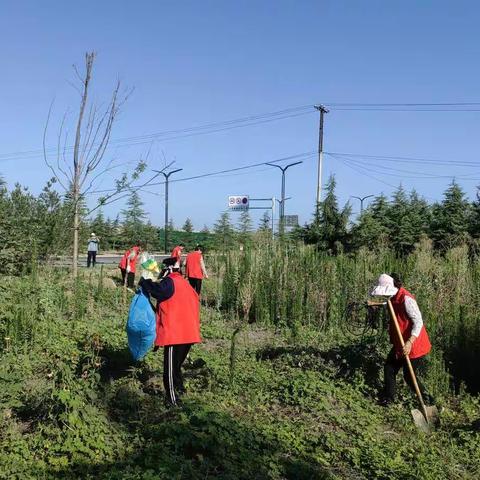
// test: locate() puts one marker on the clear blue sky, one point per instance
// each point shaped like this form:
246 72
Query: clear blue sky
193 63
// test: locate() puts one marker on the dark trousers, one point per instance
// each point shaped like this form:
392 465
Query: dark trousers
173 358
392 367
196 283
130 276
91 258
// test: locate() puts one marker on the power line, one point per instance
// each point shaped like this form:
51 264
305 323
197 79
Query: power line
415 160
166 135
305 156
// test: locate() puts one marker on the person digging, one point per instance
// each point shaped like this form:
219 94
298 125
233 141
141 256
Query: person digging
416 342
178 324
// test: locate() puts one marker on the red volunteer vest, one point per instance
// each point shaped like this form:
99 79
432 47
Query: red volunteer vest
422 345
123 260
178 318
133 261
194 268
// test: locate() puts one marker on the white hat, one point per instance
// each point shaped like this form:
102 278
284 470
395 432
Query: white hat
385 286
92 234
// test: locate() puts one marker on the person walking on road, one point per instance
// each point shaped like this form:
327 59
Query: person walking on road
178 324
195 269
92 250
415 336
128 264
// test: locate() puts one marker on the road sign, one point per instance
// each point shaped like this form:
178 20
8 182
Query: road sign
238 202
291 220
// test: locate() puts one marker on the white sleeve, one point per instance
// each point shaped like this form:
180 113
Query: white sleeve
202 265
414 314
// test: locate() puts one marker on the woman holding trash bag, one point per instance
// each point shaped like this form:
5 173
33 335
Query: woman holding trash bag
178 324
417 344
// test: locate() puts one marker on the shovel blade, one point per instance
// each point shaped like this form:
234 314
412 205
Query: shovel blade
425 424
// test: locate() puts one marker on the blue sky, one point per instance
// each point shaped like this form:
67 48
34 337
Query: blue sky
193 63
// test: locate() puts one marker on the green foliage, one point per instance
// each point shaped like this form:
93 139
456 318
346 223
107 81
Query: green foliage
72 405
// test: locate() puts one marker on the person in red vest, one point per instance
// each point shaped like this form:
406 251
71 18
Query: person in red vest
177 253
195 269
128 265
178 324
415 336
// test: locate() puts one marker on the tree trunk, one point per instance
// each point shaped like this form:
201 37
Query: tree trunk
76 227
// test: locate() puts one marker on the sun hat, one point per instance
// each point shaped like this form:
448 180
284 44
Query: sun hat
385 286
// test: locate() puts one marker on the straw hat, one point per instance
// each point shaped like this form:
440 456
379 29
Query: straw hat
385 286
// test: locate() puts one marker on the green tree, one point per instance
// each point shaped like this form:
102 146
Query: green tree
474 226
264 224
224 233
329 229
188 226
451 218
244 228
133 219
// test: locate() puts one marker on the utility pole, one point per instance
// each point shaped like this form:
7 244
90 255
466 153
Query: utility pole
167 176
322 111
361 201
282 201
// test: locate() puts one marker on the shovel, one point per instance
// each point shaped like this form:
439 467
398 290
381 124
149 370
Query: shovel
425 419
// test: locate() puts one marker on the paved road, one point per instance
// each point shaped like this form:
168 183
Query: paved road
102 259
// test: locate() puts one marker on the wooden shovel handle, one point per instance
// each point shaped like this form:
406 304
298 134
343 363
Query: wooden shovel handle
407 358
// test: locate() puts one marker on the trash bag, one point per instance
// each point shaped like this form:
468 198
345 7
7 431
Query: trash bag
141 325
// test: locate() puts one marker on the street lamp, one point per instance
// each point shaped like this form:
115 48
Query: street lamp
282 201
361 201
167 176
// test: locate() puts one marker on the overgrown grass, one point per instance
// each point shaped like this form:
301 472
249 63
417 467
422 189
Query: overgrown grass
299 406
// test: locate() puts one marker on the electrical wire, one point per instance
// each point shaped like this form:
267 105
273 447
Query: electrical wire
167 135
304 156
415 174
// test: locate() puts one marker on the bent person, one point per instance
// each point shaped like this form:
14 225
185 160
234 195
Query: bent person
92 250
178 324
417 344
195 269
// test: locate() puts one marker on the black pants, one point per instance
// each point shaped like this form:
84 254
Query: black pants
173 358
91 258
196 283
392 367
130 276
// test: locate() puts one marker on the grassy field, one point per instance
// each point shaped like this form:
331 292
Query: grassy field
292 400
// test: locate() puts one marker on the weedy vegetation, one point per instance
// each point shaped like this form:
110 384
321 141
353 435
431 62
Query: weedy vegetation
283 386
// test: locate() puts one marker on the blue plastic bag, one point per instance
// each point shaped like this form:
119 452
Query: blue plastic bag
141 325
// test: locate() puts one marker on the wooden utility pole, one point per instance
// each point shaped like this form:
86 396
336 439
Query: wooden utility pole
322 111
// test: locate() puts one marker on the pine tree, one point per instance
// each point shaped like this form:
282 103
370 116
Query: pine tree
244 227
205 229
188 226
265 222
474 226
329 229
133 219
223 230
451 218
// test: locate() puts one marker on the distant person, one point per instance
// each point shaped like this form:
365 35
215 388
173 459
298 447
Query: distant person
128 265
195 269
92 250
177 253
178 324
417 343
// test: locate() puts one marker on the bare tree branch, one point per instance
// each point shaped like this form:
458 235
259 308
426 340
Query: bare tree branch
45 156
